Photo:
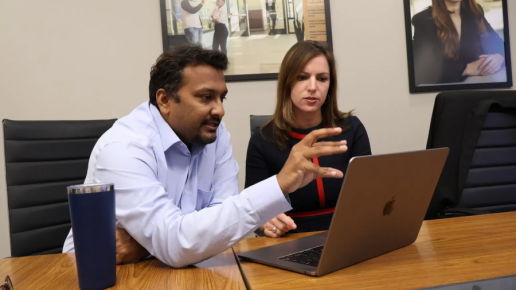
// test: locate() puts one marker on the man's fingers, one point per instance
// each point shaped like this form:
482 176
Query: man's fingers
120 254
318 151
336 143
315 135
328 172
287 220
323 172
121 233
280 226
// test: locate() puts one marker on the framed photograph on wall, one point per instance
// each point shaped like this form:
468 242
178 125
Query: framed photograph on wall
457 44
254 34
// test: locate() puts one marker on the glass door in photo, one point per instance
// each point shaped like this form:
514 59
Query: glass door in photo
237 16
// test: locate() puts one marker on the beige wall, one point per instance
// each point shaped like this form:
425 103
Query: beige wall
90 59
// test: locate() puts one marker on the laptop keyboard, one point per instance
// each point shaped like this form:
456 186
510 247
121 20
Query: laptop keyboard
309 257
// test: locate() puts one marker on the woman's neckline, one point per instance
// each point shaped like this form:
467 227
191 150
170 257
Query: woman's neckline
307 130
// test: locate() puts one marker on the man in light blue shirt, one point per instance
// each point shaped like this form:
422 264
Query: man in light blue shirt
175 176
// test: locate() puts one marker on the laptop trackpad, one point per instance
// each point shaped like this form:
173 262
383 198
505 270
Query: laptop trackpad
271 255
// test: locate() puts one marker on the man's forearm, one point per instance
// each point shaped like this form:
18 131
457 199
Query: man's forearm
181 239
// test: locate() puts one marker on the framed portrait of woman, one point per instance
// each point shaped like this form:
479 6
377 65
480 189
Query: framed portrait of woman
254 34
457 44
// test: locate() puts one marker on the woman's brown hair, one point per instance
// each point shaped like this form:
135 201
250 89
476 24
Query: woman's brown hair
292 65
446 30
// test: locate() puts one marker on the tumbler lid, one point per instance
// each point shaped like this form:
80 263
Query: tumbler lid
90 188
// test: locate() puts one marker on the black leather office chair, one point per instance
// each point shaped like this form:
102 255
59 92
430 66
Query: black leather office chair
491 182
259 120
41 159
480 173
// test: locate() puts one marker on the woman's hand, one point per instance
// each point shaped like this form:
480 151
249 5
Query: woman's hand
278 226
492 63
473 68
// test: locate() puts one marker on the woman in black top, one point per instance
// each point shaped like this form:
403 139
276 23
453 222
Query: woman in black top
306 100
453 40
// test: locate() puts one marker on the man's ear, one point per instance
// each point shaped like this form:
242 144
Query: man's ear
163 101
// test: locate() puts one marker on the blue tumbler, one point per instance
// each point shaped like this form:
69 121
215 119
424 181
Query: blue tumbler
92 209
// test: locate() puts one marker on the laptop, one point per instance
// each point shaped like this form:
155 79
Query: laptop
381 206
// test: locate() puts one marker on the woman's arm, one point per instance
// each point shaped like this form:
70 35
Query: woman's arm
492 43
494 51
360 139
213 19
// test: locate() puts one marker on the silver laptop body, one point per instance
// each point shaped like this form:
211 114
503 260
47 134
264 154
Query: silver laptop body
381 206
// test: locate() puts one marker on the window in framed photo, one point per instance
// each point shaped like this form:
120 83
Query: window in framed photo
457 44
254 34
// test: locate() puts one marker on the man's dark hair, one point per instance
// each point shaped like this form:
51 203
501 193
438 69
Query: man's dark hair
167 72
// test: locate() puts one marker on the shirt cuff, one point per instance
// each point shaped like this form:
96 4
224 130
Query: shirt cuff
267 199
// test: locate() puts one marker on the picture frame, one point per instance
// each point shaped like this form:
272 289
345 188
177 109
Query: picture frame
435 65
260 32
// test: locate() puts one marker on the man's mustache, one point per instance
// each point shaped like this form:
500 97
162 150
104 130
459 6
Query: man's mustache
214 121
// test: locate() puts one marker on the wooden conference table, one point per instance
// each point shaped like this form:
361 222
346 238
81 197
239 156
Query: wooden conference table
446 251
58 272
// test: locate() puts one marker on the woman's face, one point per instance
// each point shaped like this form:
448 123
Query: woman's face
311 88
220 3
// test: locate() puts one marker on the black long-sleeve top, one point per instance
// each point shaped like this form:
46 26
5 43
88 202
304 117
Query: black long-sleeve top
431 66
313 204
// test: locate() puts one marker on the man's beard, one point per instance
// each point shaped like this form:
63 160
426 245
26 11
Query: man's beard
199 139
202 139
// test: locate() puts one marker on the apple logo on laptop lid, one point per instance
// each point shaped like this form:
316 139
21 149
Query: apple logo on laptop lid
389 206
